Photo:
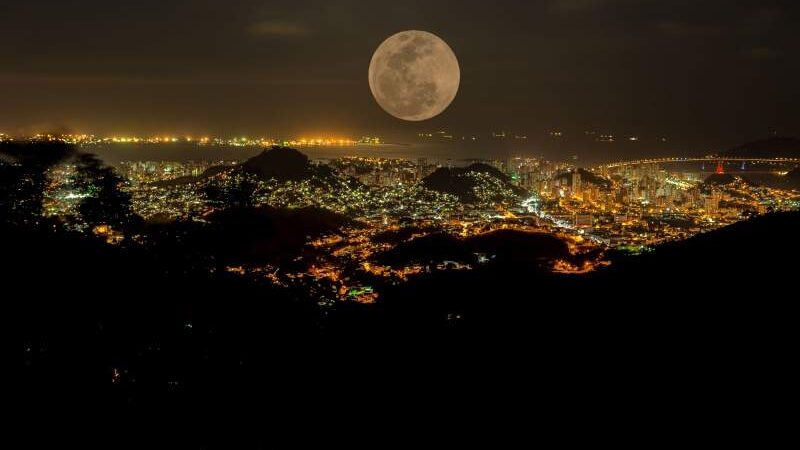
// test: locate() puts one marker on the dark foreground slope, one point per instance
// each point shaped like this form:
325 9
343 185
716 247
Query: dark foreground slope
112 328
702 285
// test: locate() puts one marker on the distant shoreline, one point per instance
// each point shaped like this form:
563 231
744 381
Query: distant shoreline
117 152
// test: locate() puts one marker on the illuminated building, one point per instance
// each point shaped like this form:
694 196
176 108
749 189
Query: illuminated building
576 183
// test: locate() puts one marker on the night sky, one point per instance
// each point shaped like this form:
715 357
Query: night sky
703 72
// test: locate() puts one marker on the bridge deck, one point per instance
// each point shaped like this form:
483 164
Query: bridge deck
698 159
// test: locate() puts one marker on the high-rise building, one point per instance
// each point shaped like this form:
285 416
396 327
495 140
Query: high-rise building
512 166
584 220
711 203
576 183
422 168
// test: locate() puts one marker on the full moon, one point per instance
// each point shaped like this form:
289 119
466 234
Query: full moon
414 75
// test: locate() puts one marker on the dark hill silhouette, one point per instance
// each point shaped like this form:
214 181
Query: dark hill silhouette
485 168
458 182
519 247
586 177
724 289
434 247
720 179
501 247
738 263
287 164
776 147
266 234
400 235
213 171
280 163
792 179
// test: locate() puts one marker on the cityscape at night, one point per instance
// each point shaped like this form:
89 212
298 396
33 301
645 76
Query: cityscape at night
304 206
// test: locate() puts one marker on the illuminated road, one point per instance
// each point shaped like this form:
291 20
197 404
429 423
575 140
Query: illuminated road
531 205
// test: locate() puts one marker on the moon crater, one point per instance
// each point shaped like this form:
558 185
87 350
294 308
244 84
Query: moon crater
414 75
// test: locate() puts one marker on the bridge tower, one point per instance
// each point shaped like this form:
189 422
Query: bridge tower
720 170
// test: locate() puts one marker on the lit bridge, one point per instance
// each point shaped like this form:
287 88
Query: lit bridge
712 159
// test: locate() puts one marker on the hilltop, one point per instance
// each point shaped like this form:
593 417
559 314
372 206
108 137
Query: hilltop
586 177
720 179
473 184
279 163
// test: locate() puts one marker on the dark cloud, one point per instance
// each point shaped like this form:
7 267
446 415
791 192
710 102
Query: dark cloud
568 6
763 20
153 81
682 29
761 53
278 28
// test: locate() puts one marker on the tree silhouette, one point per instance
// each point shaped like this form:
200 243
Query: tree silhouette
232 192
23 177
106 203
